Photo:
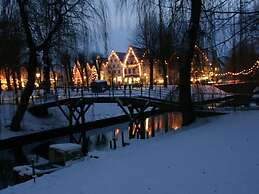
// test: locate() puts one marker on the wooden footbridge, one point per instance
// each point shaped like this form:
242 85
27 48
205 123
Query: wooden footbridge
75 109
133 104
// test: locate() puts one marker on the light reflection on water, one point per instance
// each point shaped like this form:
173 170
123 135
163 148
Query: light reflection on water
164 122
139 129
158 124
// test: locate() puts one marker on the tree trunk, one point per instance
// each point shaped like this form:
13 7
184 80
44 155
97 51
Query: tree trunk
86 75
151 76
67 87
55 78
162 43
15 87
26 94
70 75
164 73
186 57
99 73
7 77
19 77
46 71
81 71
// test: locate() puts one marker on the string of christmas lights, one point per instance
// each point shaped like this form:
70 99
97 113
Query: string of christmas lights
137 64
248 71
113 54
128 54
243 72
93 74
77 79
203 54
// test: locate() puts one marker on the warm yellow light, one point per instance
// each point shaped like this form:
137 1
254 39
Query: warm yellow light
37 75
119 79
160 81
117 132
77 79
248 71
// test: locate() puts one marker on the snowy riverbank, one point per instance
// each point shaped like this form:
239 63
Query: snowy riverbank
56 119
216 155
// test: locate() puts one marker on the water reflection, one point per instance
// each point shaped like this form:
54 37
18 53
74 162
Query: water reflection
151 126
145 128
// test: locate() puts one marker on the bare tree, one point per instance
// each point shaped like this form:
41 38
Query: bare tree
147 35
186 57
99 60
66 63
61 12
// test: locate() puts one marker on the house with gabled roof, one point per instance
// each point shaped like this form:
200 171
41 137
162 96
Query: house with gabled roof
115 68
128 68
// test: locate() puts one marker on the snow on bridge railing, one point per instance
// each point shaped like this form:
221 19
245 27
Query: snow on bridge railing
171 93
157 92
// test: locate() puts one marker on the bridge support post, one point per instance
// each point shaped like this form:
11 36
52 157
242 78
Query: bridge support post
70 120
142 129
131 130
83 133
76 116
19 155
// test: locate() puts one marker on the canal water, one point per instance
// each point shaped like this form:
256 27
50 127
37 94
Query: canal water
112 137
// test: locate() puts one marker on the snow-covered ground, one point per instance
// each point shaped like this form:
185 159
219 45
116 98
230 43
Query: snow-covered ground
215 155
31 123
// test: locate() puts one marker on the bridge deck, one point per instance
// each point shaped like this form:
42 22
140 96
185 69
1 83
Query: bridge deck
136 101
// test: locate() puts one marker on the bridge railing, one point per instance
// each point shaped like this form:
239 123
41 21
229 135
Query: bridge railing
9 97
171 93
157 92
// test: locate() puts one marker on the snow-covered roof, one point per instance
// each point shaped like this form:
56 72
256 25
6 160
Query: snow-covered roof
66 147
